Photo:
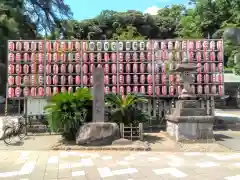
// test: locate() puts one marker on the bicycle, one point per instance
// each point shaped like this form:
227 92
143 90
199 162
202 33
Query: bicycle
10 132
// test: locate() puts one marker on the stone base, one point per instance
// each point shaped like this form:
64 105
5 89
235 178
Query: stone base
190 131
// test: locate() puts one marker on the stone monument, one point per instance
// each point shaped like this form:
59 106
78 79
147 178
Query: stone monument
189 119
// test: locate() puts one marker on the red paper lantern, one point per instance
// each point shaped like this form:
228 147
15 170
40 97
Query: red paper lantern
135 56
127 57
106 79
92 68
142 79
135 79
220 90
106 90
85 80
219 78
164 90
99 66
163 68
114 79
171 79
56 46
219 45
206 67
55 80
70 80
205 45
40 69
171 90
63 46
199 68
48 56
11 92
142 56
114 57
206 56
199 78
63 89
11 58
149 56
40 91
11 46
18 68
114 89
70 45
48 46
26 68
206 78
114 68
206 89
48 91
78 46
10 80
121 90
220 67
48 69
106 68
128 90
121 58
99 57
70 90
149 67
199 89
128 68
199 57
142 90
214 89
149 90
11 69
33 46
78 80
33 92
63 68
178 78
106 57
164 79
212 56
85 68
135 89
48 80
26 92
220 57
191 57
198 45
55 68
18 80
128 79
121 79
63 80
212 45
70 57
55 90
149 79
157 79
135 68
18 58
157 90
55 57
184 45
121 68
78 68
213 67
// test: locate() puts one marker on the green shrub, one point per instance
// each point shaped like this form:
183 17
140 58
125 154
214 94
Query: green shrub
66 112
123 109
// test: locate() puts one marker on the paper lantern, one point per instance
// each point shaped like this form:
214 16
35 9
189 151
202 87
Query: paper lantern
164 79
190 45
179 89
77 80
114 80
106 57
219 45
212 45
33 46
55 80
135 68
206 78
70 45
127 57
48 91
206 89
198 45
163 68
142 90
40 91
149 56
40 80
149 79
214 89
121 58
128 68
205 45
18 58
164 90
33 92
149 67
11 46
213 78
70 90
85 80
70 57
63 80
40 69
213 67
199 68
142 56
26 68
106 79
26 92
121 79
106 68
63 89
170 45
48 57
199 57
121 68
11 69
220 90
91 68
199 89
11 92
114 89
85 68
99 57
91 80
99 66
55 90
114 68
55 57
106 90
142 79
135 79
206 67
11 58
220 57
135 56
55 68
220 67
48 69
18 68
157 90
193 89
212 56
157 79
199 78
10 80
114 57
78 68
128 90
48 46
178 79
48 80
56 46
63 68
18 80
135 89
121 90
128 79
177 45
149 90
171 79
78 45
171 90
63 46
70 80
220 78
191 57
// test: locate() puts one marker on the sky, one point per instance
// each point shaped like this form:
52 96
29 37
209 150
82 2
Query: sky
89 9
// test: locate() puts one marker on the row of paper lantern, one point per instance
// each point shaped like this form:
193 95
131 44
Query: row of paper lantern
123 68
163 90
105 57
128 79
120 46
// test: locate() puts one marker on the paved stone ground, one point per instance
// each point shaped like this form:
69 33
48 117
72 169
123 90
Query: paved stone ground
71 165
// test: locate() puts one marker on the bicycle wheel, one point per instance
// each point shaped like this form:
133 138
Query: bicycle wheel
8 135
22 131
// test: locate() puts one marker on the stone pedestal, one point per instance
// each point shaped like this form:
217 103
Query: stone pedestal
189 121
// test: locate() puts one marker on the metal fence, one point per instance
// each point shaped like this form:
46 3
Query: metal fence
131 132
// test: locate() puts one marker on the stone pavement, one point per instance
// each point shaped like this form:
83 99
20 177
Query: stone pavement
113 165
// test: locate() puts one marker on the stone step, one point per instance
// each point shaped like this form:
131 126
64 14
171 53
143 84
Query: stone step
190 112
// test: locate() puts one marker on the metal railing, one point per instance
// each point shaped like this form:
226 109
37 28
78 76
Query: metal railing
132 132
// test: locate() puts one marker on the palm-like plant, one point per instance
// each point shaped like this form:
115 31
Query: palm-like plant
68 111
123 108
